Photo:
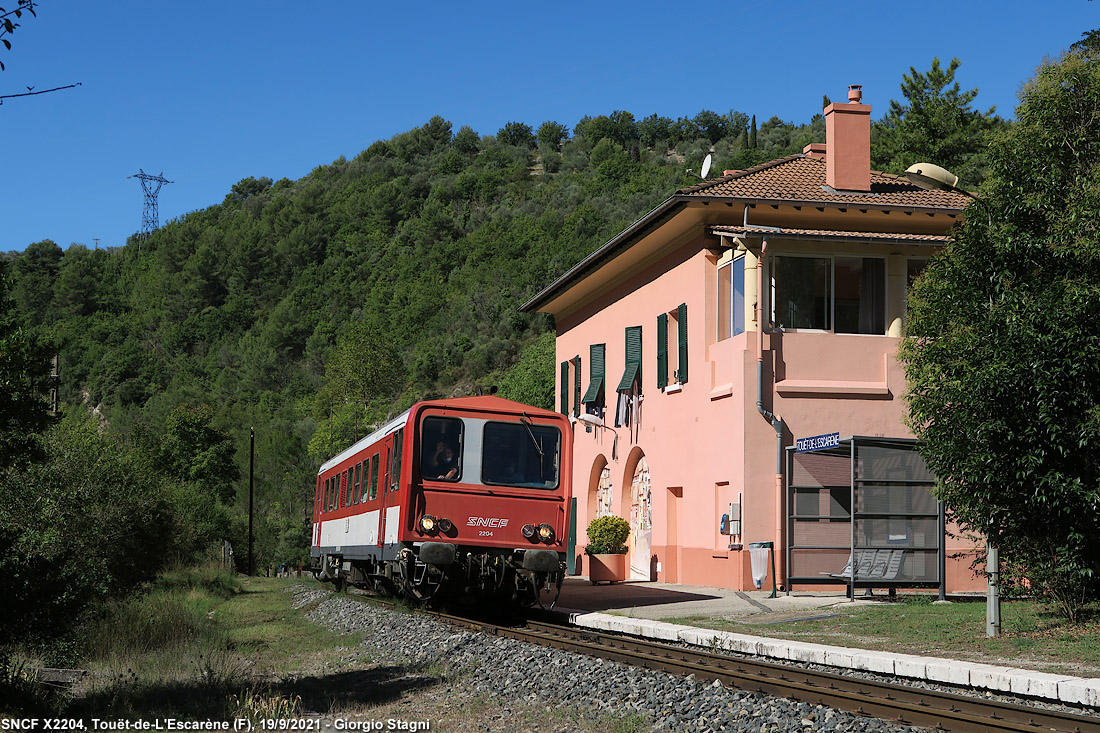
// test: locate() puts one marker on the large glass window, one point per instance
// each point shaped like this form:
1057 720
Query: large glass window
840 294
860 294
441 448
800 292
521 454
731 298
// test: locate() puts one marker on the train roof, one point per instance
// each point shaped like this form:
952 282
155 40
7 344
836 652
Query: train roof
484 404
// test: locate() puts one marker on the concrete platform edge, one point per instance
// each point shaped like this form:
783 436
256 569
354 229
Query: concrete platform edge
1043 685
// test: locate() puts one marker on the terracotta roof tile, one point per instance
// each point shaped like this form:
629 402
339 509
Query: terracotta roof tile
799 178
831 233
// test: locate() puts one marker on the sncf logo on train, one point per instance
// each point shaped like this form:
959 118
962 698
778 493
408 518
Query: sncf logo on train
486 522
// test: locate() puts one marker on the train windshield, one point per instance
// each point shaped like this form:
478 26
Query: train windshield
521 454
441 452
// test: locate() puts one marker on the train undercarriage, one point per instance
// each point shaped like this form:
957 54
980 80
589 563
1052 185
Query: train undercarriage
434 572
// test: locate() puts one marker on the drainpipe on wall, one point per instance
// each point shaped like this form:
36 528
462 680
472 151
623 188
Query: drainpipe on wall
776 422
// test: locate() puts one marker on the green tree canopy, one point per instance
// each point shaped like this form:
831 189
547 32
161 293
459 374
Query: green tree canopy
24 380
934 124
1003 358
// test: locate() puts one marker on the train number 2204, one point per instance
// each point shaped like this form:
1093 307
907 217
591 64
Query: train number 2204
485 533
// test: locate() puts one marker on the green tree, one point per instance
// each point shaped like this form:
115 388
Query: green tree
531 380
363 371
196 451
935 124
1003 354
467 141
24 380
551 134
517 133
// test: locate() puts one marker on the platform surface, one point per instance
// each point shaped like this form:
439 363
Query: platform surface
639 608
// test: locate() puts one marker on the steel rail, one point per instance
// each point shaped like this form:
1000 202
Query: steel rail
898 702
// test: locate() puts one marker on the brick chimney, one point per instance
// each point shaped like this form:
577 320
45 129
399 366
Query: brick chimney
848 143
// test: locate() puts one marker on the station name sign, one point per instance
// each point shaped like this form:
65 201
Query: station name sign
817 442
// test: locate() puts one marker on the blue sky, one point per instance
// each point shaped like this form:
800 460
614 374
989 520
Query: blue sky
213 92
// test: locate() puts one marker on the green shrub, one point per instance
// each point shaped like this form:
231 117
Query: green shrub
607 536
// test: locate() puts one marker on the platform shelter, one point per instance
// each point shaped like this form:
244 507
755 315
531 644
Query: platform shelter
861 512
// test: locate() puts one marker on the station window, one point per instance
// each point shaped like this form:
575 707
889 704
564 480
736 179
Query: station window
841 294
571 386
860 294
593 399
731 298
672 363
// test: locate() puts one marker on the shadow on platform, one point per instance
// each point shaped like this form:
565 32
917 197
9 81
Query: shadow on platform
580 594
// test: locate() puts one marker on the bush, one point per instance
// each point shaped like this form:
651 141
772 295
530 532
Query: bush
607 536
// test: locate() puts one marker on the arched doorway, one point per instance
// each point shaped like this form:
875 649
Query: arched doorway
599 489
638 501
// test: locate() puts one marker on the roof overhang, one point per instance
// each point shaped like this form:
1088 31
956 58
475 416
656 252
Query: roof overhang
750 232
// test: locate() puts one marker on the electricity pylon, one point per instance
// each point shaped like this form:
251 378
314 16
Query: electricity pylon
150 218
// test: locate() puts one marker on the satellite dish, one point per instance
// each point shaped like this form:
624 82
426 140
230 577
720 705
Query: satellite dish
706 166
932 177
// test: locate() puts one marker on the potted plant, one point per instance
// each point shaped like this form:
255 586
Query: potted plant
606 549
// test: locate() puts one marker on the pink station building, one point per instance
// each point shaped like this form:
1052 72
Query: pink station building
740 315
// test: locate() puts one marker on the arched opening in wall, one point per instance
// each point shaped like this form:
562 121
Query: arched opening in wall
637 508
599 490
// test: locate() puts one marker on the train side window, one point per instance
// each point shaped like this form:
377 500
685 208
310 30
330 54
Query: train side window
358 482
441 448
395 472
324 498
386 474
374 461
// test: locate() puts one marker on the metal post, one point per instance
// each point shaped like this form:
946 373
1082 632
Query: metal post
852 518
992 591
943 551
251 473
571 549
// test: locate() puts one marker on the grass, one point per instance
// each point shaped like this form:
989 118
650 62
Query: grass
201 642
201 645
1033 635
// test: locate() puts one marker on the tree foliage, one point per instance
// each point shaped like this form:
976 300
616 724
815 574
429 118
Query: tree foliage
24 379
934 124
1004 356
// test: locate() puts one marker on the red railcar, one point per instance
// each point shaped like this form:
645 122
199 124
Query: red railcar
465 496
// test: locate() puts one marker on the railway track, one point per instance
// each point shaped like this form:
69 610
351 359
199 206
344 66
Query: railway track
908 705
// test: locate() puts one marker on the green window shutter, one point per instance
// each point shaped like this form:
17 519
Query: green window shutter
576 386
564 389
682 342
595 373
662 351
633 358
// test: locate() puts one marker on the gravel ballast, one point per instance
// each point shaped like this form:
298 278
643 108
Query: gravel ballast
511 670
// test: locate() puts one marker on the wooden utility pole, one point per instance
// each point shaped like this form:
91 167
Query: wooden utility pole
251 473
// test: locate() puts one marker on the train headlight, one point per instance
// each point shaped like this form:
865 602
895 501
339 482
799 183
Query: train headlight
528 531
546 533
444 525
427 523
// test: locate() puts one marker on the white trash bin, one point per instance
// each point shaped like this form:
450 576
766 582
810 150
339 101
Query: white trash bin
758 558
